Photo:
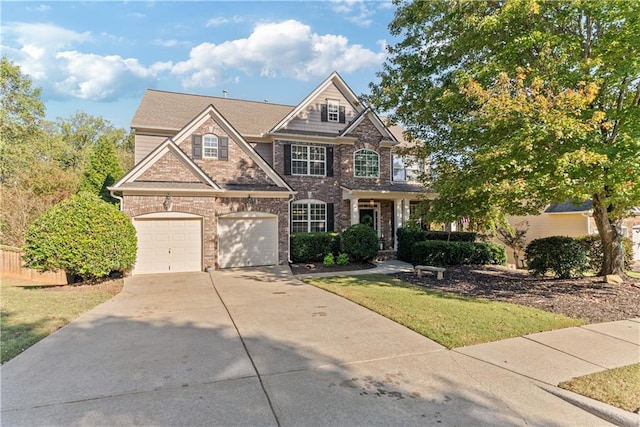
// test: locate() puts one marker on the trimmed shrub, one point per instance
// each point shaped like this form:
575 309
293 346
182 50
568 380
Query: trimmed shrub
361 242
564 256
312 247
84 236
593 245
440 253
343 259
407 237
329 260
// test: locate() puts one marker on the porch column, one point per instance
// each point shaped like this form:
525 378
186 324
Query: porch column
399 214
406 212
355 212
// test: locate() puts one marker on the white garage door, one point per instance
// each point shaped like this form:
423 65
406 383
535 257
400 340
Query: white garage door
247 239
168 245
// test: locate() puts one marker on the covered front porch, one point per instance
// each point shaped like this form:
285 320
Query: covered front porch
384 209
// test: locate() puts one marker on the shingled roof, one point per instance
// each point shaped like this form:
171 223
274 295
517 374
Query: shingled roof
172 111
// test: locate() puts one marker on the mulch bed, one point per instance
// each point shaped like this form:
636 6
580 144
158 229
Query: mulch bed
586 298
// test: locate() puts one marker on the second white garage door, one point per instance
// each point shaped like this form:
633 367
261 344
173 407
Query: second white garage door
168 245
247 239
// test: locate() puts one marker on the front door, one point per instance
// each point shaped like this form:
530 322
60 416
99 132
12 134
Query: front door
370 215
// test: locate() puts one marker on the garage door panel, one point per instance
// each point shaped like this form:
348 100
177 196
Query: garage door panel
168 245
247 241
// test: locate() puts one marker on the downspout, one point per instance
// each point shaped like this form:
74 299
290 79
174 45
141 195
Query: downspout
291 196
587 215
120 198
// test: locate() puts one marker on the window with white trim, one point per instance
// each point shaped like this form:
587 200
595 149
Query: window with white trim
405 168
308 160
210 146
308 216
333 110
366 164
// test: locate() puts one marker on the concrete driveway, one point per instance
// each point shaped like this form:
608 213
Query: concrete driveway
257 347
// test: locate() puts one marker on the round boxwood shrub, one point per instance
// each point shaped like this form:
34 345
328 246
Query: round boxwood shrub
361 242
564 256
84 236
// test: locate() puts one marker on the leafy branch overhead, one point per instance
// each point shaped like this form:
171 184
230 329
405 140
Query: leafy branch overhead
520 104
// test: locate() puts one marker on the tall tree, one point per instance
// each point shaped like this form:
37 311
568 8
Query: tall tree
21 113
81 132
103 169
521 103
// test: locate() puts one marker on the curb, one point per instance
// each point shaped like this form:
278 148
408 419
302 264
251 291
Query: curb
608 413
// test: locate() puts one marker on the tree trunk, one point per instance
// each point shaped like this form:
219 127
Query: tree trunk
611 238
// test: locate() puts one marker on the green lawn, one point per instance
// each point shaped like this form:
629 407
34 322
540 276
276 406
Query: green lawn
615 387
448 319
30 312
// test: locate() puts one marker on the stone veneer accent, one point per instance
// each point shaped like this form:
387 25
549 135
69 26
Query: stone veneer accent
209 208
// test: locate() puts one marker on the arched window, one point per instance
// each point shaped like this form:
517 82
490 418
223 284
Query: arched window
366 164
308 216
210 146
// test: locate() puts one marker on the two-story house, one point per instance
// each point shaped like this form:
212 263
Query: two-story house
221 182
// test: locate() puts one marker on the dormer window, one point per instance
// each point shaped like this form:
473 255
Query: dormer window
210 147
333 110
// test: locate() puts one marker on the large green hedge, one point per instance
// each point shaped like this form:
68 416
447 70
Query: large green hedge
564 256
441 253
409 236
313 247
361 242
84 236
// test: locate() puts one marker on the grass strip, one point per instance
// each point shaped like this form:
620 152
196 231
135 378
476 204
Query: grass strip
449 319
30 312
615 387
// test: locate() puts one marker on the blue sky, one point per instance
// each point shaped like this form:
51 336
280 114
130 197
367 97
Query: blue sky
99 57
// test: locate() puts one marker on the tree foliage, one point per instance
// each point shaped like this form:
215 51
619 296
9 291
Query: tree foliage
20 117
41 161
103 170
519 104
84 236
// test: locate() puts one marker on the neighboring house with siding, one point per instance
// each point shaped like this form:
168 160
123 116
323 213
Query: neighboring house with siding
573 220
222 182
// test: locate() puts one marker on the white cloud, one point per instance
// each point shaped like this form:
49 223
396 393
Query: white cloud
99 78
355 11
286 48
221 20
49 55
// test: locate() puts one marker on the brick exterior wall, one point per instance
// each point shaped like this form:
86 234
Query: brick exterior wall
168 169
239 169
327 189
210 208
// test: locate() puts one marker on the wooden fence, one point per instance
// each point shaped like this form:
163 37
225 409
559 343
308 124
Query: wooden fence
12 266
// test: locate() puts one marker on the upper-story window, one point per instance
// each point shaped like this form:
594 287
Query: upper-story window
333 110
308 160
308 216
210 146
405 168
366 164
